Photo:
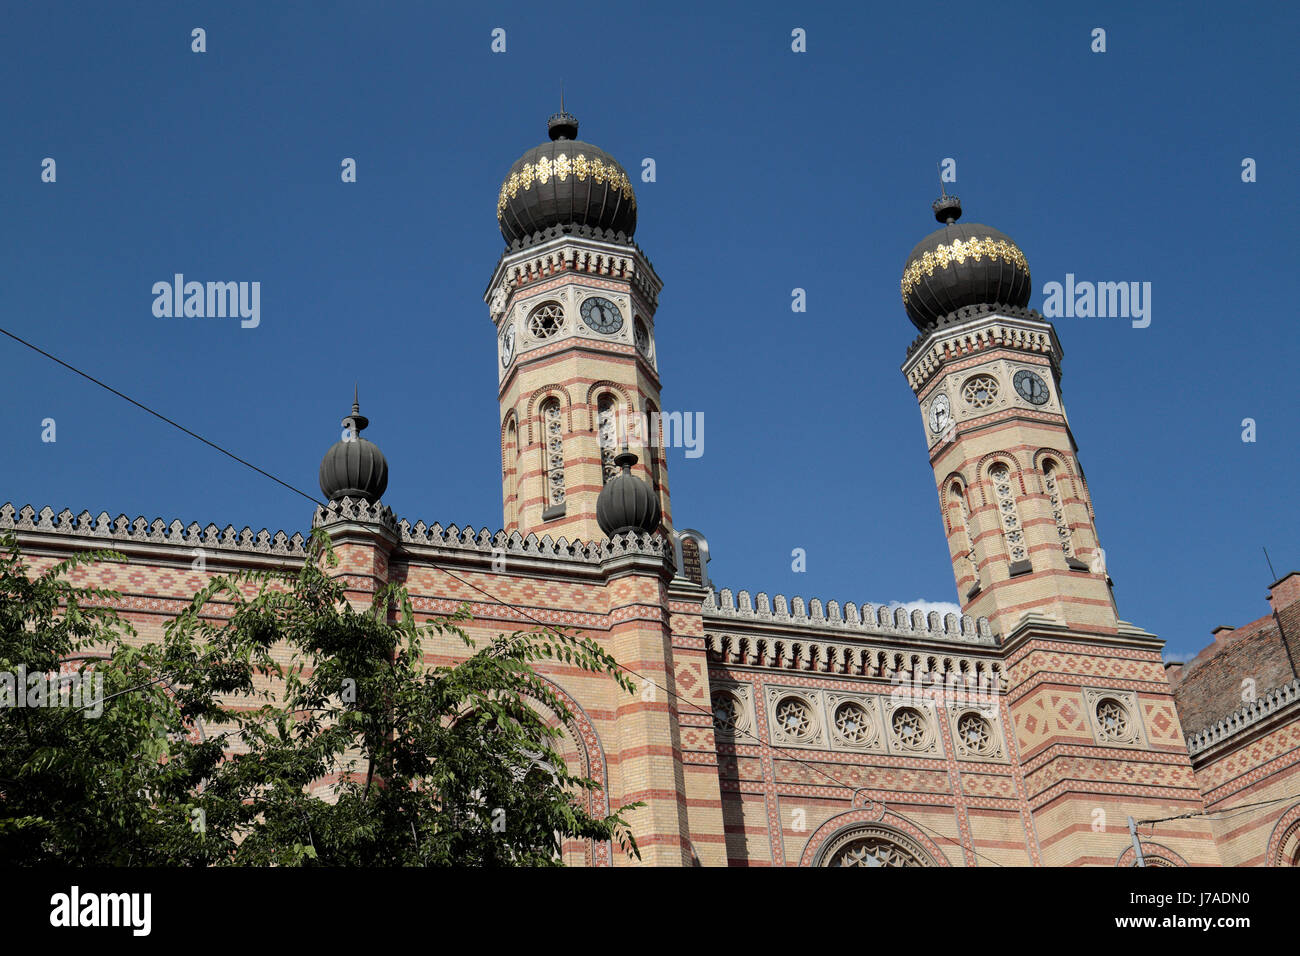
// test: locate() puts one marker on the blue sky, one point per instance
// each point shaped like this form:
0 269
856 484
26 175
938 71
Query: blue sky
775 170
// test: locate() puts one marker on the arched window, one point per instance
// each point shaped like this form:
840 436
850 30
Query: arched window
607 433
1056 500
553 451
652 438
959 525
873 845
509 473
1012 530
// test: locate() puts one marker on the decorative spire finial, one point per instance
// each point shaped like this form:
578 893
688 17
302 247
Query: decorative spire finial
626 458
356 422
562 125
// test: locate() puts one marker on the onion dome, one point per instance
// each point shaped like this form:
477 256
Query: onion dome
565 182
354 467
960 265
626 503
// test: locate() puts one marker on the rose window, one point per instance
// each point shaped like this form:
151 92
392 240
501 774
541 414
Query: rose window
641 337
546 320
980 391
794 717
873 852
727 712
852 723
909 728
975 734
1113 719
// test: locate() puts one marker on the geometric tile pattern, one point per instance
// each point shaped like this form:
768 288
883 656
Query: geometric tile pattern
1052 713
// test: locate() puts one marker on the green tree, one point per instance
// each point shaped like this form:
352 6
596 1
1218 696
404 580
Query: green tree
353 753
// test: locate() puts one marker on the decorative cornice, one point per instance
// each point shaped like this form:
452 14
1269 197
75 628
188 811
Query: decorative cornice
581 249
911 668
976 328
1244 717
868 619
158 531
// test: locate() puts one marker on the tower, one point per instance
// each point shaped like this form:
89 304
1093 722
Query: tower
573 301
987 371
1096 729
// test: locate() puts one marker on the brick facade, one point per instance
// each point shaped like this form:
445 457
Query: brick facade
767 732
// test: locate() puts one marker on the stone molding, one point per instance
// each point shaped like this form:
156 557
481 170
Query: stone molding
913 674
975 329
576 249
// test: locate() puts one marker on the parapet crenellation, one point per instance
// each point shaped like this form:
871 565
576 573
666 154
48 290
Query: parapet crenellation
157 531
454 538
1244 717
451 538
866 618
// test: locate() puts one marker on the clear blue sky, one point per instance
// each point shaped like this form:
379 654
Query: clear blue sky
775 171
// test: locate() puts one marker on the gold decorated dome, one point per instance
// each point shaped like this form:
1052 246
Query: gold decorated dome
962 264
566 182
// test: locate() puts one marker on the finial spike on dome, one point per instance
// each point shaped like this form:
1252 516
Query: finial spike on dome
356 422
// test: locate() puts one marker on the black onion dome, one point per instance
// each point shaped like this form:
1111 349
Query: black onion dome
962 264
354 467
565 182
626 503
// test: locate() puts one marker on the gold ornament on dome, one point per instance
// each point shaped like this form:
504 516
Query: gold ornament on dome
562 167
959 250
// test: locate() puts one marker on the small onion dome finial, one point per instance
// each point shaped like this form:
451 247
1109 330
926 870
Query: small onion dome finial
356 421
562 125
354 467
626 503
947 209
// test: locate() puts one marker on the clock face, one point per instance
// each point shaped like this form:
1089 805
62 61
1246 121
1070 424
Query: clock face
507 346
641 337
602 315
1031 388
940 413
